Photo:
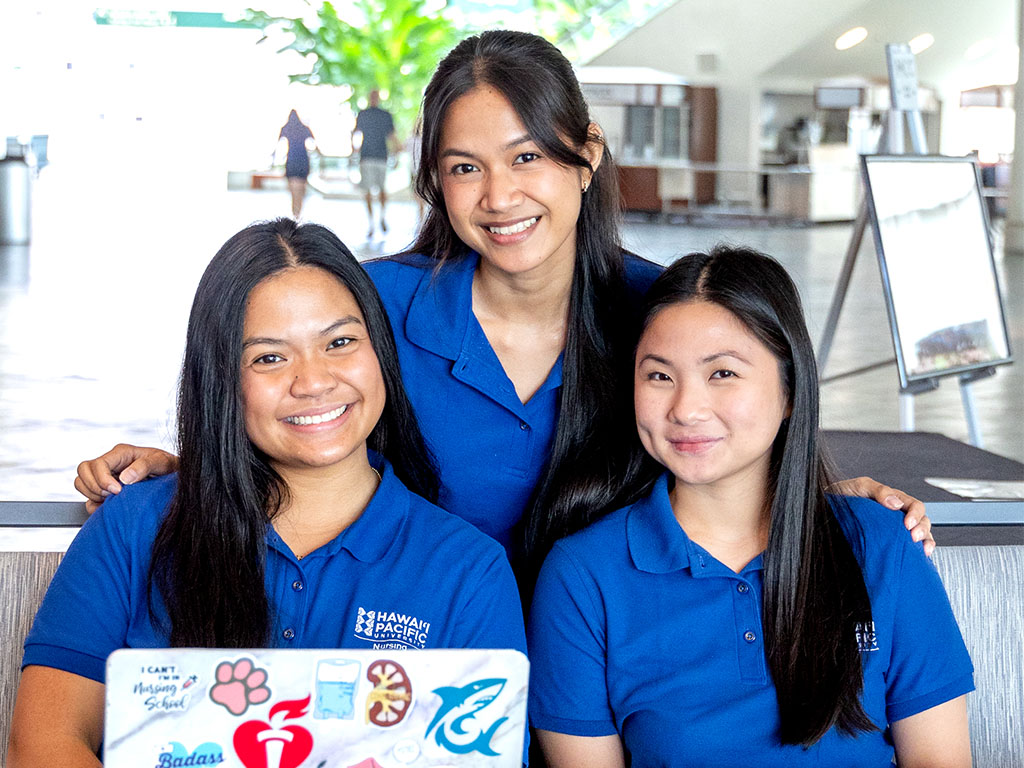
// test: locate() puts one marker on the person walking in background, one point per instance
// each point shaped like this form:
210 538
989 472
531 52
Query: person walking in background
296 168
376 135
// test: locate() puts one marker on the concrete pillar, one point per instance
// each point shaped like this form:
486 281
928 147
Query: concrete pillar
1014 241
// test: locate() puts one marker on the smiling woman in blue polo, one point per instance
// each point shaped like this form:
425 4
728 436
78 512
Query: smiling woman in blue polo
297 518
735 614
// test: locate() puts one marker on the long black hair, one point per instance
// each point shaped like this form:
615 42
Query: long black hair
814 594
209 554
582 478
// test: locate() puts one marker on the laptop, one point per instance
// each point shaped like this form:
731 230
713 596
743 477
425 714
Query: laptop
272 708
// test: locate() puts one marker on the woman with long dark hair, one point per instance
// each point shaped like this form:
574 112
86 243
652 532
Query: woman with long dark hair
514 310
300 497
736 614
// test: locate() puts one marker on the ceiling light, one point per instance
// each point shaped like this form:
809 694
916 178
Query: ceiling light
851 38
921 42
980 49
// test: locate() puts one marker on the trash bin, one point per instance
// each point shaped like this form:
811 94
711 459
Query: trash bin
15 201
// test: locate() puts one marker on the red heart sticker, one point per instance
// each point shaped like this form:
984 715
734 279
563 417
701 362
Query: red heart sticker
259 744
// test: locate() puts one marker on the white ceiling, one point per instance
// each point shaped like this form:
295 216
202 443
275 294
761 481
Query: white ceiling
956 25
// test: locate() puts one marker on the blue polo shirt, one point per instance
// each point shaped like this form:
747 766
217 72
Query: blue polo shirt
404 575
491 447
639 631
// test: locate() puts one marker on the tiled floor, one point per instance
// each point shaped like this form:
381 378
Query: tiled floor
92 318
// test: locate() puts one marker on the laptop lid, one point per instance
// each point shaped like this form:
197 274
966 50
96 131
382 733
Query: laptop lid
271 708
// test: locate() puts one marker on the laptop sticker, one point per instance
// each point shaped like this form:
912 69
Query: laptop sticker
336 682
239 684
260 744
160 688
175 755
458 728
391 697
406 751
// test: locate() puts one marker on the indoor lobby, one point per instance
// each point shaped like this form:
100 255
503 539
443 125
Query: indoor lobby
139 139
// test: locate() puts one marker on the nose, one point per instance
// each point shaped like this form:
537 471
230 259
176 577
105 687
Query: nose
313 378
690 404
501 190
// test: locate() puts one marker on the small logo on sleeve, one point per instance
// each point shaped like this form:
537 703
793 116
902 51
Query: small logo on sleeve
867 640
390 629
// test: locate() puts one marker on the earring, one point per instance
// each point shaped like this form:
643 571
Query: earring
585 185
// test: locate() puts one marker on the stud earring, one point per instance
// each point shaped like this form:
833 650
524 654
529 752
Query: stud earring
585 185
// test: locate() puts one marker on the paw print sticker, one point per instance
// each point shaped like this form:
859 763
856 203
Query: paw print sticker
239 685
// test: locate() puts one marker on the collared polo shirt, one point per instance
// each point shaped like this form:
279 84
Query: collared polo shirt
404 575
491 447
636 630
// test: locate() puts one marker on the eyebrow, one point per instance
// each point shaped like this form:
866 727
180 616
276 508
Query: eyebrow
454 151
725 353
709 359
347 320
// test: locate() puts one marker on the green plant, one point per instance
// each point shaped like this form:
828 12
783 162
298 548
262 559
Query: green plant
389 45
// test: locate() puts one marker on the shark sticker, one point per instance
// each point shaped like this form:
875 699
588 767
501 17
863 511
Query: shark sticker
458 728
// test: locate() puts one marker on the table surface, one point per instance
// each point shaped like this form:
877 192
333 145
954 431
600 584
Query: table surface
904 459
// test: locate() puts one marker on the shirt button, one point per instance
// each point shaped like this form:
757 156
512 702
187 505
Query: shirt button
749 636
289 634
742 589
524 426
297 585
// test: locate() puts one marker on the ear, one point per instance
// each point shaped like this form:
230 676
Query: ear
593 150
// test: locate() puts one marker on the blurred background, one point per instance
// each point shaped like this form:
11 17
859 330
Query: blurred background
136 138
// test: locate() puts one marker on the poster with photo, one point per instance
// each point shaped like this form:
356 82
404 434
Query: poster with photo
931 236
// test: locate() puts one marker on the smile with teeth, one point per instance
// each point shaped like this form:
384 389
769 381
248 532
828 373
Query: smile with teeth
320 418
513 229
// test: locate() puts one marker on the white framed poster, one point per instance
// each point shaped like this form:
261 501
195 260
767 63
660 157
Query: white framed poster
935 257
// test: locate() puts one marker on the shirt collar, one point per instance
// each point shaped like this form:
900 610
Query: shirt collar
440 320
439 312
370 537
658 544
376 530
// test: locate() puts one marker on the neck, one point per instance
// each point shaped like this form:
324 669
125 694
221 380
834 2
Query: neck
323 502
537 297
730 522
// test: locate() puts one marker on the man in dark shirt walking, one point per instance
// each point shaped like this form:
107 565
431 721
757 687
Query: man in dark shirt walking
376 135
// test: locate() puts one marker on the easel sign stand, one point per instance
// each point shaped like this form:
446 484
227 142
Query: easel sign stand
903 104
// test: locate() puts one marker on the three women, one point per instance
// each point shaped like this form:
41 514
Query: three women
515 310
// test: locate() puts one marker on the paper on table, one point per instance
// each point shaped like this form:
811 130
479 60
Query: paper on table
980 489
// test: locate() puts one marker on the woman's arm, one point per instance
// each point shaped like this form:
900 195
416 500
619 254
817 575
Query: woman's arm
935 738
130 463
564 751
58 720
914 516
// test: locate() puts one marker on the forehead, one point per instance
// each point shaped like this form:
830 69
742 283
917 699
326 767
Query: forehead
479 115
698 327
300 294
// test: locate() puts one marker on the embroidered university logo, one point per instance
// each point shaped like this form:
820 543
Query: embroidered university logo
867 640
391 630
